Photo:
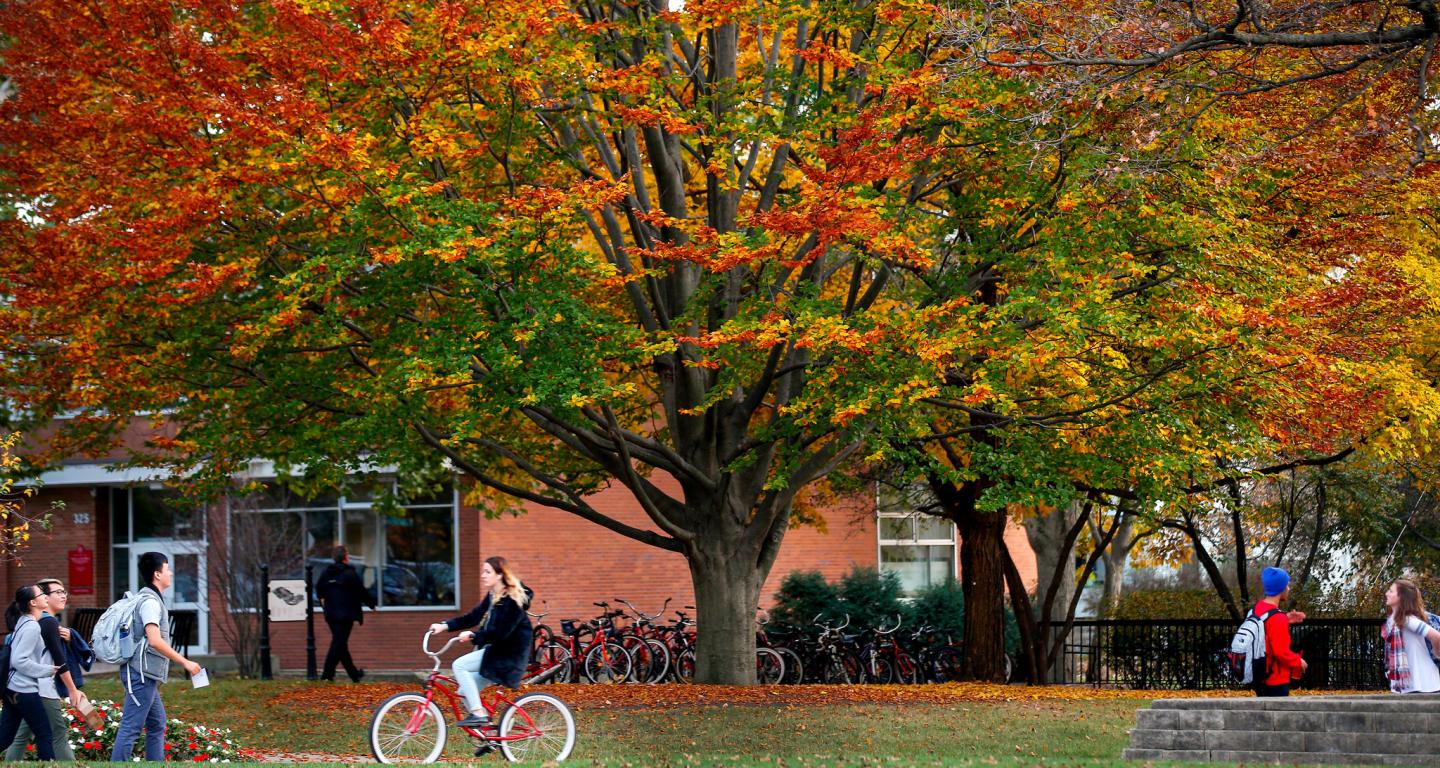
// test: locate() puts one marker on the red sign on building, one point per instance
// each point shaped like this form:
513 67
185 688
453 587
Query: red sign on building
82 571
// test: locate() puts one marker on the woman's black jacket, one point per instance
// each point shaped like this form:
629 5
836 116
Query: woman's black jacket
505 636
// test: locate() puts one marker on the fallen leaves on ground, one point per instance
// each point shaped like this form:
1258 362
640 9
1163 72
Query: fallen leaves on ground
364 697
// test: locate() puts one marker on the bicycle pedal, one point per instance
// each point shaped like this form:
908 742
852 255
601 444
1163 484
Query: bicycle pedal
484 749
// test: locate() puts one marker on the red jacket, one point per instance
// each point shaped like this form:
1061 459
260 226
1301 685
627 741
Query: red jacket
1281 660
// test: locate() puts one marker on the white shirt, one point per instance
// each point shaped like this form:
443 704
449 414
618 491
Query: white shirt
1424 675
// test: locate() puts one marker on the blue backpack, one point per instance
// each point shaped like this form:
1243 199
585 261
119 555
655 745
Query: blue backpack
1434 622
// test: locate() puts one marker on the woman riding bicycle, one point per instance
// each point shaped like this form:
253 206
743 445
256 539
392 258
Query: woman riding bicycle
502 637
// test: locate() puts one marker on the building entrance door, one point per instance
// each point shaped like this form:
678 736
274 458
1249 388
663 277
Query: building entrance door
187 592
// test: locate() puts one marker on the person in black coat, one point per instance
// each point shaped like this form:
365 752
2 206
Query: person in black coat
502 637
342 594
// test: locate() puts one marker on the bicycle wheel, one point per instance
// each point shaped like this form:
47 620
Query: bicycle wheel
685 666
880 669
907 671
642 659
794 667
769 666
608 663
541 635
407 729
659 660
842 668
946 664
546 726
552 664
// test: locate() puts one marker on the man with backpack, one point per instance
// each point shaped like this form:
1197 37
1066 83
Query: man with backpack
1282 663
149 667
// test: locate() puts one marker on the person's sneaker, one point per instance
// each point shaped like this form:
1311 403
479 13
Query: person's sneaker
474 721
359 675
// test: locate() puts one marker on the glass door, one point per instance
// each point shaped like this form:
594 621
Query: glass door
187 592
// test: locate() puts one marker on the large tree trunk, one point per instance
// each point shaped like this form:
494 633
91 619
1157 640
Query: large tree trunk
727 594
1117 560
1053 543
982 575
1050 539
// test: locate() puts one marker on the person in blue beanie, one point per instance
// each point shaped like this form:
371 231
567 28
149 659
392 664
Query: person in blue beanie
1282 663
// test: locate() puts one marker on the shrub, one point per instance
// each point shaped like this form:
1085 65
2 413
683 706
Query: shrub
803 595
1168 604
941 606
872 599
184 742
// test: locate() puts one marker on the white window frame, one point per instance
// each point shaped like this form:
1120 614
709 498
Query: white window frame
342 505
883 513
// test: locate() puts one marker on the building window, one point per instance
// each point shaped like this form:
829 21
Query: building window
405 553
155 518
917 547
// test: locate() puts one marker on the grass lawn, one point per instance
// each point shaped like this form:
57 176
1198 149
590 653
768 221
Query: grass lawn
331 719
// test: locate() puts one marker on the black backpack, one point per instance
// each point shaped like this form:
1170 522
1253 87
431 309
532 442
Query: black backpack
5 670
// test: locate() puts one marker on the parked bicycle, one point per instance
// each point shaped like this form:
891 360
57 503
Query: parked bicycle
411 727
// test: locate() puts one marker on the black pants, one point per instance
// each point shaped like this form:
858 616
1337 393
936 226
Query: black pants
1262 689
31 709
340 650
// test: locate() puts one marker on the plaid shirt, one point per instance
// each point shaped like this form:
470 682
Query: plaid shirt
1397 662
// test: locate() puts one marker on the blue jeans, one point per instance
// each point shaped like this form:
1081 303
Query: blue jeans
148 714
31 708
467 675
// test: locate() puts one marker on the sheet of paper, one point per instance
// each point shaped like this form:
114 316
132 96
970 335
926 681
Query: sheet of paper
200 679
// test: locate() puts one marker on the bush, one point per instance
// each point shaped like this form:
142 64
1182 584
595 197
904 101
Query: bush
184 742
872 599
802 596
1168 604
941 606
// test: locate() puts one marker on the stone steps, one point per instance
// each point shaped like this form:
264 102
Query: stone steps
1355 730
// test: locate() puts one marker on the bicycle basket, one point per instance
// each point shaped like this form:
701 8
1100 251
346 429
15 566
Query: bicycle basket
568 626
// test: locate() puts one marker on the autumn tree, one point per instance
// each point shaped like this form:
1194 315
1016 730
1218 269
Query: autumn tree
560 246
19 522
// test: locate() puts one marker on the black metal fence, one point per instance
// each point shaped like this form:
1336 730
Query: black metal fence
1343 654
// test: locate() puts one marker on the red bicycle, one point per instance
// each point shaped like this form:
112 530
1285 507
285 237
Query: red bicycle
411 727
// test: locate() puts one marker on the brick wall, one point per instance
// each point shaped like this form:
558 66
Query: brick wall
48 553
569 562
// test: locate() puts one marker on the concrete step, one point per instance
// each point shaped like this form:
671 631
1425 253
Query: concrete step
1387 702
1290 757
1308 743
1378 719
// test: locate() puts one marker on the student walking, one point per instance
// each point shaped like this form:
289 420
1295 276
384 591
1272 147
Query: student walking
32 674
1282 663
342 595
143 676
1410 641
70 651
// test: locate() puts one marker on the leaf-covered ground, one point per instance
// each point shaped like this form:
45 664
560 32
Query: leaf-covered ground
582 697
639 726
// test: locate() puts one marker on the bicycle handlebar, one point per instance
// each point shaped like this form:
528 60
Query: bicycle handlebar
642 614
890 630
425 645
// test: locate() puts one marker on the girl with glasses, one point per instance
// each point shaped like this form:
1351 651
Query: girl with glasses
32 673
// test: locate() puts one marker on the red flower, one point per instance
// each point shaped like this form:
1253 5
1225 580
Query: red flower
169 745
198 758
191 745
30 748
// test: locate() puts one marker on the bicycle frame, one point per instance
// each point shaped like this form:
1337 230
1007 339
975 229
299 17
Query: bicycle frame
448 688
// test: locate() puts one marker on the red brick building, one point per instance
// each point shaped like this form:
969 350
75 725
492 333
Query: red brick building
422 561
